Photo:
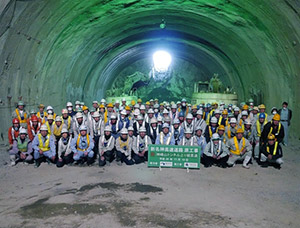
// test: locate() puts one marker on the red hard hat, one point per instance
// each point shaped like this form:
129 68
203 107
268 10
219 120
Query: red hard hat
34 118
15 121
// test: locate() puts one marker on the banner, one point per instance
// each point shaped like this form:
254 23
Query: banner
174 156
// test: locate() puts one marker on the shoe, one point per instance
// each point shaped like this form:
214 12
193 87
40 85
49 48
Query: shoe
246 166
119 163
37 164
48 161
12 163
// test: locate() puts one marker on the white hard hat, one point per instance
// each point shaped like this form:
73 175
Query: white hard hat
236 109
83 128
244 113
69 104
117 102
77 102
198 128
107 128
159 118
78 115
153 120
217 111
130 128
95 102
214 120
64 130
124 131
167 119
248 121
123 112
96 114
165 125
113 116
136 106
140 117
64 111
58 119
49 108
233 120
142 107
136 112
188 131
174 106
123 99
23 131
165 111
200 112
176 121
215 136
44 128
150 111
142 129
103 100
189 116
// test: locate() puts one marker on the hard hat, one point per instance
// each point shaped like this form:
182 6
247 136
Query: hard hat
189 116
151 100
222 103
250 100
140 117
240 130
198 128
225 112
155 99
245 107
133 102
244 113
274 108
262 106
176 121
110 105
230 115
50 117
113 116
20 103
136 106
23 131
194 107
255 108
96 114
34 118
95 102
136 112
107 128
142 107
142 129
103 100
150 111
92 109
218 111
82 103
174 106
248 122
165 111
153 120
77 103
101 106
123 99
262 116
165 125
69 104
117 102
123 112
58 119
236 109
233 120
183 100
127 108
167 119
139 100
41 106
178 102
214 120
64 111
124 131
271 137
79 109
159 118
161 104
221 128
188 131
156 106
215 136
49 108
64 130
276 117
85 108
44 128
32 111
83 128
78 115
147 103
200 112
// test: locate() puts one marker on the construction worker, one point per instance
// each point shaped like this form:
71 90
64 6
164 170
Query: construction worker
153 130
43 146
211 129
71 112
221 133
56 130
41 114
113 123
78 121
183 107
240 149
66 120
199 121
147 105
199 139
131 133
82 146
224 120
123 120
271 153
50 111
21 149
262 109
96 130
165 137
149 116
274 111
248 132
50 124
13 131
236 112
173 113
124 148
230 130
187 139
21 114
106 147
123 103
33 127
140 146
257 130
215 152
140 122
217 114
95 105
189 123
285 119
273 127
64 153
117 107
87 118
177 131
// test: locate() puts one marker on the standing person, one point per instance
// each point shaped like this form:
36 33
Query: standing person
106 147
177 130
285 119
41 114
273 127
33 127
153 130
257 130
66 120
187 139
199 139
71 112
21 114
13 132
199 121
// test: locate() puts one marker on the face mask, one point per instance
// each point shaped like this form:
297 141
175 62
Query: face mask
76 106
50 112
274 112
69 108
184 104
284 108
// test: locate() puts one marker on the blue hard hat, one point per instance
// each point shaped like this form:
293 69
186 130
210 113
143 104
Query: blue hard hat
262 115
181 114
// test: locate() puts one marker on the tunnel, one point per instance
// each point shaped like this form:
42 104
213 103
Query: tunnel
58 51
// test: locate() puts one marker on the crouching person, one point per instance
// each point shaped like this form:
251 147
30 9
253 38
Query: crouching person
44 147
140 146
22 149
64 153
215 152
106 147
124 147
240 149
82 147
271 153
187 139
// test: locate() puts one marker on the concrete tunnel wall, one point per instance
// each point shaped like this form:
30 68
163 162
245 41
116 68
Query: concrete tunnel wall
56 51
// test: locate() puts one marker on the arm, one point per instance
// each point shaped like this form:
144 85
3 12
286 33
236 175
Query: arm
207 151
134 146
35 143
10 139
52 146
91 146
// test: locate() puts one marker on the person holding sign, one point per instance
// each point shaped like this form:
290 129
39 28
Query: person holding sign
165 137
240 149
124 147
140 146
215 152
187 139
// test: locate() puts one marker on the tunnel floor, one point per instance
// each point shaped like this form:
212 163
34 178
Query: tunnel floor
137 196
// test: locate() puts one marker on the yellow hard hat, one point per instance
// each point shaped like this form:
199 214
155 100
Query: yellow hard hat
133 102
194 107
84 108
110 105
245 107
127 108
221 128
225 112
147 103
262 106
101 106
271 137
139 100
240 130
50 117
276 117
161 104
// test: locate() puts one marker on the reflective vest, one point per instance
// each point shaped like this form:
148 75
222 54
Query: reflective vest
258 127
161 139
124 145
237 150
68 123
49 127
42 146
57 130
275 148
22 146
43 119
78 140
24 120
271 129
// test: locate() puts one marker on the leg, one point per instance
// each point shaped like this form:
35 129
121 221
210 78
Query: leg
109 155
60 163
102 161
232 159
222 162
207 161
256 150
138 159
247 157
68 159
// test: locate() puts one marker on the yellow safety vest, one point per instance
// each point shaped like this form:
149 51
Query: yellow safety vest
237 150
258 128
57 130
124 144
42 146
275 148
229 132
271 129
49 127
44 118
78 140
19 117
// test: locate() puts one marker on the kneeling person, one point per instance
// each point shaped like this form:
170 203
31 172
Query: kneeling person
271 152
124 148
140 146
215 152
187 139
106 147
64 153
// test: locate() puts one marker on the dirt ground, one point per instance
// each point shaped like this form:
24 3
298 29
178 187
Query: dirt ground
137 196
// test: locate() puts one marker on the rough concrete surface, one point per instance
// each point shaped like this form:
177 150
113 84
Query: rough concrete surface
137 196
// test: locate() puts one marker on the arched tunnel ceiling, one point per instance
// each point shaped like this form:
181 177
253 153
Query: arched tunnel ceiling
54 51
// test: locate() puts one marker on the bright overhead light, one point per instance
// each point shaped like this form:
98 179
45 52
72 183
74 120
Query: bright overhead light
162 61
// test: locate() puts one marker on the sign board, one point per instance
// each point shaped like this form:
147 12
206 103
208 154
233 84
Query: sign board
174 156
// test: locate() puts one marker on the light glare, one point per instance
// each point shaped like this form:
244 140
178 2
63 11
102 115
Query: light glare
162 61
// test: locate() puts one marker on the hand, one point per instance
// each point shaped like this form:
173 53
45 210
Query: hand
218 157
60 160
53 158
102 152
141 154
85 154
214 156
270 156
23 156
40 151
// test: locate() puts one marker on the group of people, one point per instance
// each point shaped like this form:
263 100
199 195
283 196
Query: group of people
120 131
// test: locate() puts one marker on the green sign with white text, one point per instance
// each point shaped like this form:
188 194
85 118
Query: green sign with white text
174 156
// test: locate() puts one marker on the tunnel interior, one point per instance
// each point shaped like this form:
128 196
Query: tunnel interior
58 51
